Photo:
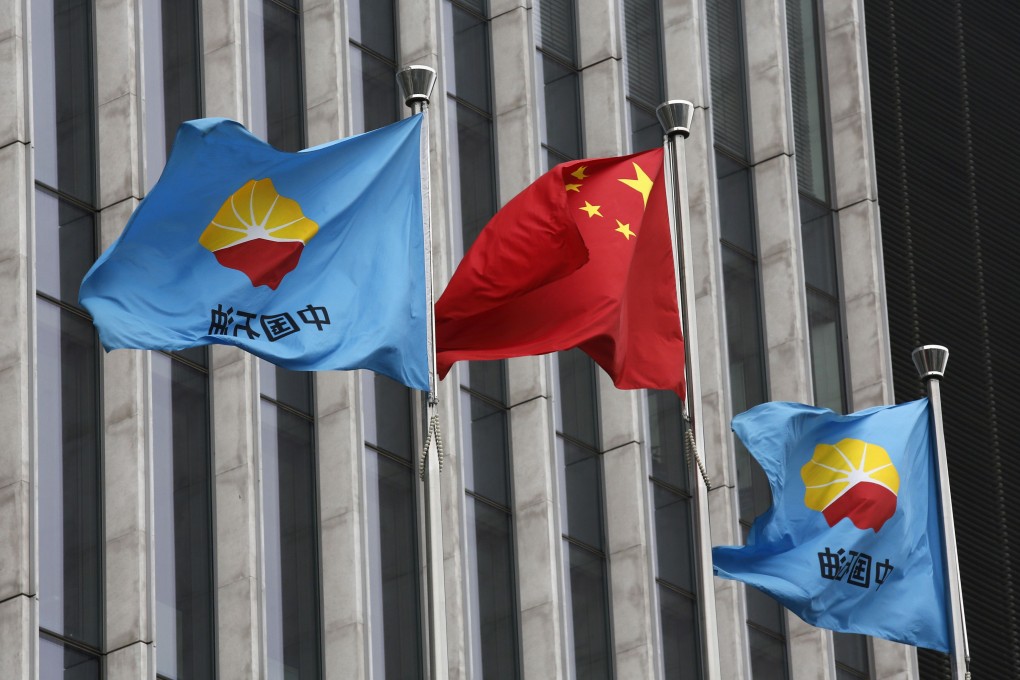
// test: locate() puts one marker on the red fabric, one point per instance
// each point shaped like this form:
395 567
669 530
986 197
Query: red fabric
543 276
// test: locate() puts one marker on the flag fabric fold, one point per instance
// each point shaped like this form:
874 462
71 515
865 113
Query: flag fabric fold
581 258
311 260
852 541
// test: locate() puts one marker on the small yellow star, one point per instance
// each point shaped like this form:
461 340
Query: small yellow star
574 187
592 210
579 173
624 229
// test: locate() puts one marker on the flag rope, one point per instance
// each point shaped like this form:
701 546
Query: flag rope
433 428
692 446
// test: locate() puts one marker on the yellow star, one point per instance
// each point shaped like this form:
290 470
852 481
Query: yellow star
624 229
641 183
592 210
579 173
574 187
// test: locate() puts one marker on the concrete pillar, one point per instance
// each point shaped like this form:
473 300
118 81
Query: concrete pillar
240 623
19 604
860 244
127 451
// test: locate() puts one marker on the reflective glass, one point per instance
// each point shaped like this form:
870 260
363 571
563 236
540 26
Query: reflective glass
768 656
590 631
562 108
476 162
471 59
393 565
183 530
377 92
673 538
669 463
582 500
736 220
486 454
806 94
292 388
372 24
681 649
155 126
728 76
558 29
487 378
493 605
65 246
70 507
63 98
62 662
284 96
577 393
764 611
646 132
644 51
818 236
743 331
387 407
826 359
182 79
851 652
290 518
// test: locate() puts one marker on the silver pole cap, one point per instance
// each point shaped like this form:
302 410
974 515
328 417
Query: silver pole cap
675 117
930 361
416 82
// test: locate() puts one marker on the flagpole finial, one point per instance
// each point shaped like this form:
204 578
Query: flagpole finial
416 82
930 361
675 117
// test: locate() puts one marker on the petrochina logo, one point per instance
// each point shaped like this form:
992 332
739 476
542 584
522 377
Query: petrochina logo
259 232
852 479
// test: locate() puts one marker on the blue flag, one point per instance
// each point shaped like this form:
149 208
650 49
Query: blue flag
312 260
852 541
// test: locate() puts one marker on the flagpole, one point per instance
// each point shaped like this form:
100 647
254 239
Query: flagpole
675 116
417 82
930 361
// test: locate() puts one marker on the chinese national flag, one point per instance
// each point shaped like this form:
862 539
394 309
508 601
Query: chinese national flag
581 258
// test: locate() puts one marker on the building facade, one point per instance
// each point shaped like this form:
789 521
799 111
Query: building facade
204 514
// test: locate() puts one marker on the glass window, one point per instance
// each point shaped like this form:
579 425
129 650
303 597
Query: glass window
582 506
182 479
806 92
58 660
374 91
852 662
645 88
562 81
391 498
728 71
284 92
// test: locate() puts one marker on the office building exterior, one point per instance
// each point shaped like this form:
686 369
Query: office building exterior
204 514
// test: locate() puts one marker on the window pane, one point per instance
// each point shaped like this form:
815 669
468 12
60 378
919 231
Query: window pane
826 358
183 531
728 80
743 330
493 605
852 653
486 451
476 164
393 568
768 656
582 511
558 34
62 71
371 24
285 111
70 508
487 378
680 636
387 406
669 464
673 538
764 611
562 108
65 246
60 662
577 397
806 94
381 101
736 219
291 544
182 81
646 132
589 613
292 388
818 236
471 59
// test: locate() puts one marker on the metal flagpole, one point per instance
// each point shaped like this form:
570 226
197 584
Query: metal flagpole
675 116
417 82
930 361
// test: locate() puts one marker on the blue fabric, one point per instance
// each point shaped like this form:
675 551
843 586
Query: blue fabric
158 287
792 552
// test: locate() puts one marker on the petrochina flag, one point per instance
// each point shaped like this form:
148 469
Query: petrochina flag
852 541
312 260
581 258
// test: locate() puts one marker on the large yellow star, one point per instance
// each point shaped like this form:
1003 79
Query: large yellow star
624 229
641 183
592 210
579 173
574 187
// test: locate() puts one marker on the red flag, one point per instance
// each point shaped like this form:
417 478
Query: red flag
581 258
